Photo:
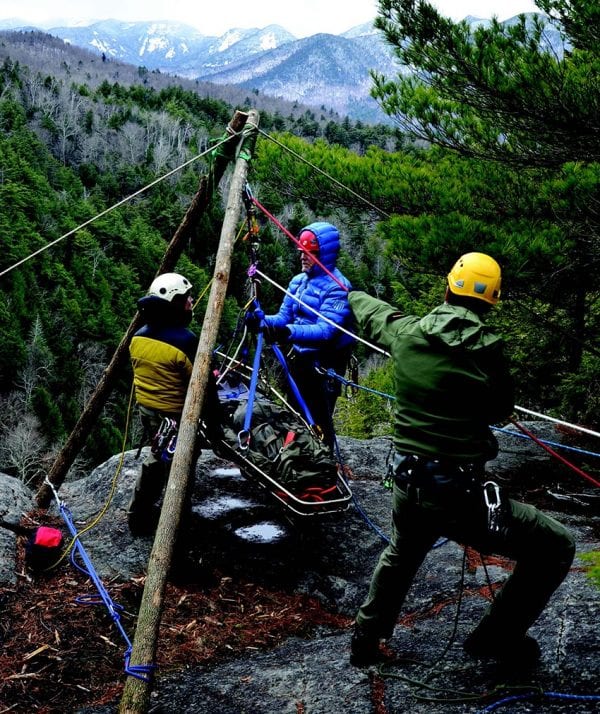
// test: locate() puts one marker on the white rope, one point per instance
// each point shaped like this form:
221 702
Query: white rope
576 427
232 359
112 208
387 354
322 317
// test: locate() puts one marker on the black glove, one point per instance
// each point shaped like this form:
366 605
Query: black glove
276 334
252 321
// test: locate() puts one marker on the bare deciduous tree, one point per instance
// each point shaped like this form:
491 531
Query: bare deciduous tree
23 448
93 363
39 360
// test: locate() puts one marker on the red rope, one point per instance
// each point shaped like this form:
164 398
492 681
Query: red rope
553 453
281 227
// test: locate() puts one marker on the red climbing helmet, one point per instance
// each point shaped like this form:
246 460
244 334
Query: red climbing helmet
308 241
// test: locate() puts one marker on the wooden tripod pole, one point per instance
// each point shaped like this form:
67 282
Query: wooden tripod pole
93 408
136 695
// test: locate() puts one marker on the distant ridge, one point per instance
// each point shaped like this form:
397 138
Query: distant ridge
323 70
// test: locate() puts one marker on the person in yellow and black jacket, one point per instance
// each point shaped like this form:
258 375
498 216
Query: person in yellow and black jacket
162 354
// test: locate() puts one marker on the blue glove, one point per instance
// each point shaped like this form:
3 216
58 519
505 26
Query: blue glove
280 335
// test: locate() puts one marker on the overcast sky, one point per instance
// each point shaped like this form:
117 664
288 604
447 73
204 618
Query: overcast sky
300 17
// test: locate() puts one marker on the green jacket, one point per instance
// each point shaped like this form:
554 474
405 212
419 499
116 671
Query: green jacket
450 377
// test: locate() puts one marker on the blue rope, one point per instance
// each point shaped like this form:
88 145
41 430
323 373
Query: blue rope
507 700
548 443
258 312
293 385
142 672
344 381
548 695
368 521
347 383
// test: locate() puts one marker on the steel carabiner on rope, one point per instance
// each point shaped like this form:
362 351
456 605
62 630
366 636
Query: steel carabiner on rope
244 439
491 496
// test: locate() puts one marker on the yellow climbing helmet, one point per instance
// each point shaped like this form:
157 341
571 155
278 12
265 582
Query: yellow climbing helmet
476 275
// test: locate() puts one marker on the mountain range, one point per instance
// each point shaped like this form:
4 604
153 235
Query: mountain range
323 70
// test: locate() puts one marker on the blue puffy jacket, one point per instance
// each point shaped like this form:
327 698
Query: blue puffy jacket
310 333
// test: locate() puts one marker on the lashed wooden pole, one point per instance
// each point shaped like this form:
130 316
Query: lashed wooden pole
93 408
136 695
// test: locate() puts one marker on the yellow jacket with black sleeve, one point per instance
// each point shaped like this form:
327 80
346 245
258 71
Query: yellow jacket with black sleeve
162 358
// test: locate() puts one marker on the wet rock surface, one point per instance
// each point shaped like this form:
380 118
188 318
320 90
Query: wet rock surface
238 528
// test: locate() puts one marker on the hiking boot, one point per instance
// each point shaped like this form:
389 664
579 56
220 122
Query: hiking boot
365 648
521 652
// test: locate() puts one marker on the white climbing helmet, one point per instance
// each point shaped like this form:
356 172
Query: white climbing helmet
167 285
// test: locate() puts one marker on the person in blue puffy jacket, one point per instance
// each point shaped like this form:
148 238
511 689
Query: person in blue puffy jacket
316 301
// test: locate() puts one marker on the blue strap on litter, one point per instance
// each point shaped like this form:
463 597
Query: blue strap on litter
293 386
244 435
141 671
254 379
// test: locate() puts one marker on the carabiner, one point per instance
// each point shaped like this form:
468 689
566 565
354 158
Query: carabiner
244 439
492 500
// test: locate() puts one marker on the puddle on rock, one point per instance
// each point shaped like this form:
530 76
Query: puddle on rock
265 532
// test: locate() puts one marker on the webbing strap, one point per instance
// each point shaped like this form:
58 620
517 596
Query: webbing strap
293 386
253 380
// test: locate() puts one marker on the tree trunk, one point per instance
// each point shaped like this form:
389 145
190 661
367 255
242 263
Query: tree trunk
136 695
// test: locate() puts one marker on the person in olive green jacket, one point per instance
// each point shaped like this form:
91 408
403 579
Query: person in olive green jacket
451 383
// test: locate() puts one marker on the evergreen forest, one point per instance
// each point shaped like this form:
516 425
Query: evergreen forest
495 147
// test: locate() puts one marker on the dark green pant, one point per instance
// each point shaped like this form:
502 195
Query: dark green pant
542 548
